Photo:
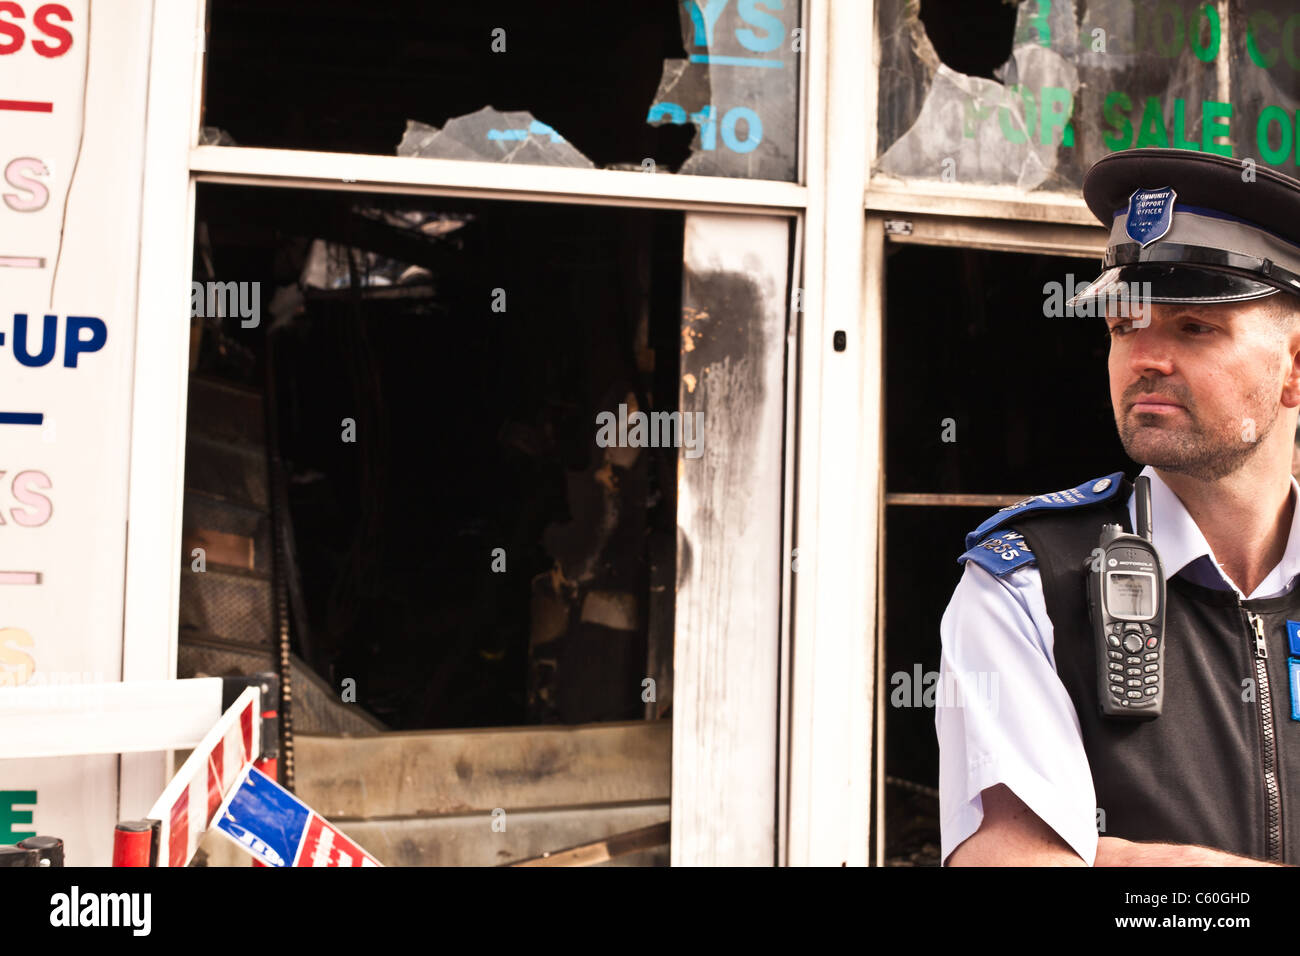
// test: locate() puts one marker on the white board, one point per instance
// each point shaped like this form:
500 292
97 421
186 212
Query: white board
71 154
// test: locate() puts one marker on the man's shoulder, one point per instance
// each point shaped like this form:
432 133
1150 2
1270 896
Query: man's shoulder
1000 549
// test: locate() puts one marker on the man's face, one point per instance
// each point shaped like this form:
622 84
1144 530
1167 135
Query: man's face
1197 390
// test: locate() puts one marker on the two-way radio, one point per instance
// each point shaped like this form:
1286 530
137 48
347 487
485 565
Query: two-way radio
1126 601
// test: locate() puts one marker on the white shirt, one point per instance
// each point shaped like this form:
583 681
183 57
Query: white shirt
996 634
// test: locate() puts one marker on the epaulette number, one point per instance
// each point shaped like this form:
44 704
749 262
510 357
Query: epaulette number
1008 546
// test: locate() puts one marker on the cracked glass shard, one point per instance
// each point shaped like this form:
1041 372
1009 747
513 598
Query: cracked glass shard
215 136
490 135
1265 58
738 86
1084 78
969 128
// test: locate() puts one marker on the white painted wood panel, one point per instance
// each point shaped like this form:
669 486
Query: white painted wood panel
727 641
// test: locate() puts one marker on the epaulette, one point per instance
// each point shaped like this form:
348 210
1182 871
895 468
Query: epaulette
1005 551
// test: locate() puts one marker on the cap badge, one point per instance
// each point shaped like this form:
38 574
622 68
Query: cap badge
1150 214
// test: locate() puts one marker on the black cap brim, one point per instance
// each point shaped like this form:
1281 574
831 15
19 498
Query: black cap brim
1133 285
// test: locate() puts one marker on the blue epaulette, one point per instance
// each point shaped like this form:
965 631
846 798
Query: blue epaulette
1004 552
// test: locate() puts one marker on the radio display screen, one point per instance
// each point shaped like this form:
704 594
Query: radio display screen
1130 596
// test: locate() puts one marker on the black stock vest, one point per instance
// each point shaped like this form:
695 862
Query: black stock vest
1221 766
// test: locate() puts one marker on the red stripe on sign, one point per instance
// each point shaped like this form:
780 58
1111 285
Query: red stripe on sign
325 845
26 106
178 841
246 725
214 780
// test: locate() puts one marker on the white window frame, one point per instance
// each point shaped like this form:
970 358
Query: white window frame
838 459
831 607
962 199
823 784
830 735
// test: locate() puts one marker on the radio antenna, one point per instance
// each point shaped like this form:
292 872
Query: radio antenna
1143 486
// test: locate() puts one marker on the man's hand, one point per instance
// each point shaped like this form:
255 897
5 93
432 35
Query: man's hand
1112 851
1012 835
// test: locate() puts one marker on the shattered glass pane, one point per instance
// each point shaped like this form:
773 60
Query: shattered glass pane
707 87
492 136
1086 78
215 136
738 86
1265 55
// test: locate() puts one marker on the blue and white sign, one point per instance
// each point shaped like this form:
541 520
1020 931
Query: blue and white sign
278 829
1150 214
264 818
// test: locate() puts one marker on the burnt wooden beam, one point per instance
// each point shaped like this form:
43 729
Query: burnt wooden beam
602 851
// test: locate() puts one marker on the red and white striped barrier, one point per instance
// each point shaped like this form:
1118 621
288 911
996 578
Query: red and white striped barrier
190 802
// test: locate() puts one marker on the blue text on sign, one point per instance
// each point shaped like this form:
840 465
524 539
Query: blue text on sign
74 342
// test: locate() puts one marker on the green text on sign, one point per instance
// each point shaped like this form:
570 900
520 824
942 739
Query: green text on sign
11 816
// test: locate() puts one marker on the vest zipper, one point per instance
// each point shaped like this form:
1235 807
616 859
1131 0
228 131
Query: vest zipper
1272 796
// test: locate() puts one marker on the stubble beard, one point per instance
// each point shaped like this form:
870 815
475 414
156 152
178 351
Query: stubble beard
1186 446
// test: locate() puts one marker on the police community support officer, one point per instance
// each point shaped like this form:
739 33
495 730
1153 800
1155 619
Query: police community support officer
1205 389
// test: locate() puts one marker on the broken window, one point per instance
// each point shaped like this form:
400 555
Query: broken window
737 87
458 550
1265 57
706 87
973 422
1083 78
473 464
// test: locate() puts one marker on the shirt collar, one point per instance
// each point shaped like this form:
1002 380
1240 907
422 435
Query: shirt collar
1180 542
